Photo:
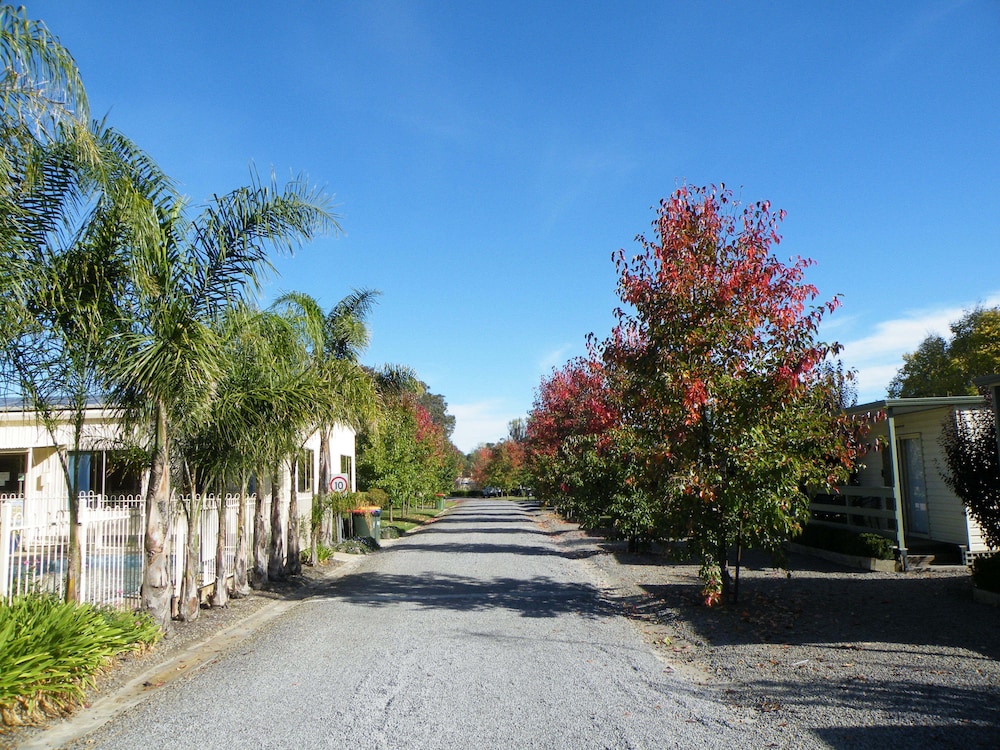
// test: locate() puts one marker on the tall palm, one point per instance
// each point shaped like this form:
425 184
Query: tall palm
171 358
335 341
72 203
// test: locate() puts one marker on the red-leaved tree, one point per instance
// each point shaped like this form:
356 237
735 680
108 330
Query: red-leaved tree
572 453
716 370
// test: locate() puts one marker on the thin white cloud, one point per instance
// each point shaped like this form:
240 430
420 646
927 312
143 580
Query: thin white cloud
878 356
555 358
481 422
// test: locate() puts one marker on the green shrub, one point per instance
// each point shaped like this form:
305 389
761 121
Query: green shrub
986 573
359 545
390 532
875 545
847 542
323 553
377 496
50 651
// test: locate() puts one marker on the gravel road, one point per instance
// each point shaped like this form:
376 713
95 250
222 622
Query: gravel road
501 625
478 632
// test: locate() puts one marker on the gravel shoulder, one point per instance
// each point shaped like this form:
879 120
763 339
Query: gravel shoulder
848 658
822 655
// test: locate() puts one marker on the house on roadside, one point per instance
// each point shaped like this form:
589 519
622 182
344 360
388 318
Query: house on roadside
31 473
901 493
34 512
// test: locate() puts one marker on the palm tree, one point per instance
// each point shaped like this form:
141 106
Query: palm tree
334 342
70 198
170 358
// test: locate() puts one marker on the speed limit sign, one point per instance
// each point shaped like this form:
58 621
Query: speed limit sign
340 484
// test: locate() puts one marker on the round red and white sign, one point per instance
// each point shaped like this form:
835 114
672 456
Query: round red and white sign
340 484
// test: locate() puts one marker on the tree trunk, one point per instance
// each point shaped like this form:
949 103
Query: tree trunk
189 604
240 586
156 588
220 597
276 546
739 562
258 578
74 553
293 560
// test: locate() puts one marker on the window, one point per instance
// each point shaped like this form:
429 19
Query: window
108 473
85 469
304 471
12 473
122 474
345 466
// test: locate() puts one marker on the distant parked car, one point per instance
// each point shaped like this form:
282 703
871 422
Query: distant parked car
492 492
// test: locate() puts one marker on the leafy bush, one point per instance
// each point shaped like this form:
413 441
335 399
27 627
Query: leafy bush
323 553
875 545
50 651
376 496
986 573
390 532
359 545
847 542
969 440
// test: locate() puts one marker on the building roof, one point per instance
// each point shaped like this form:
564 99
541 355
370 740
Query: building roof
912 405
987 381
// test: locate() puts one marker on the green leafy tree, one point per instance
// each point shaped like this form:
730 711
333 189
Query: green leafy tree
570 448
969 440
714 368
437 407
407 454
947 368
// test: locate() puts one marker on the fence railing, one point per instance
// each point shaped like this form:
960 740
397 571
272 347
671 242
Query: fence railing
34 556
856 508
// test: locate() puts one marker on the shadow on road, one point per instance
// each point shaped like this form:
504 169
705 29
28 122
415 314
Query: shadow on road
533 597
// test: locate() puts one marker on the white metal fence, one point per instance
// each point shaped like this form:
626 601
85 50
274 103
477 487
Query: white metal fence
34 556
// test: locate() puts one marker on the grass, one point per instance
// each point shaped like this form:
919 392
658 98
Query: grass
414 517
51 650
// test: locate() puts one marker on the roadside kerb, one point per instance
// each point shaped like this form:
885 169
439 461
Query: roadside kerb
193 657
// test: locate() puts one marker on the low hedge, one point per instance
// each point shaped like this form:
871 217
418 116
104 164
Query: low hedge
847 542
986 573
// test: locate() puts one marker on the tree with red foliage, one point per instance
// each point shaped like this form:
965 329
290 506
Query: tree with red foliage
575 450
717 375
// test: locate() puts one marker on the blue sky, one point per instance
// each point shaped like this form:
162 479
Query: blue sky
487 160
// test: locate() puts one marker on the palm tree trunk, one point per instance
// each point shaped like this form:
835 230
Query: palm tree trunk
220 597
240 586
189 609
276 546
258 578
156 585
325 473
293 560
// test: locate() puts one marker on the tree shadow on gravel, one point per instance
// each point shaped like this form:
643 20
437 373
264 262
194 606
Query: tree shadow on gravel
439 528
921 715
480 548
534 597
974 736
471 518
845 611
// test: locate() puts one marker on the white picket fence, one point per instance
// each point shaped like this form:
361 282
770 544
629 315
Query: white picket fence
34 557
